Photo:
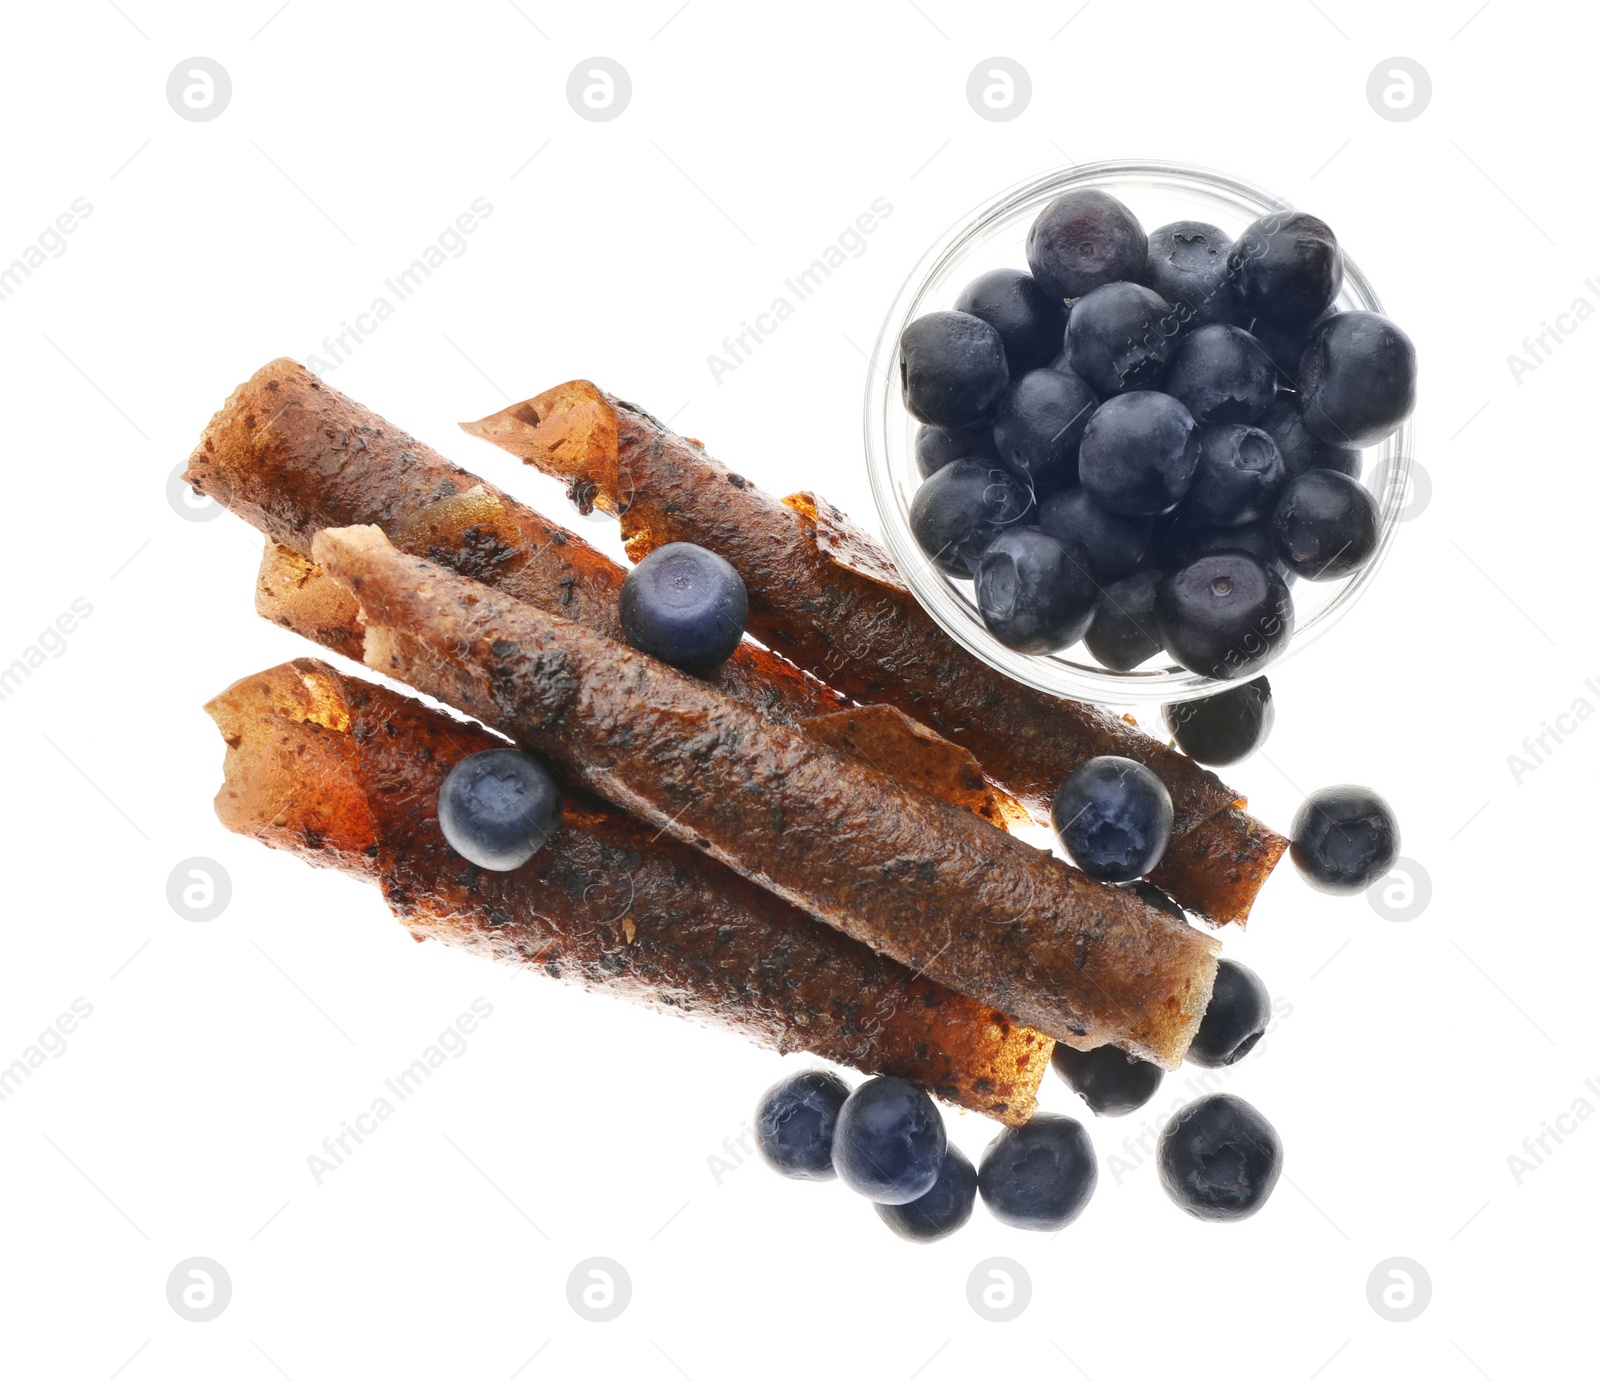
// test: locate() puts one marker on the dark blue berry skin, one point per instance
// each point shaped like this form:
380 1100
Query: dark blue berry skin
1112 1083
936 447
498 808
889 1141
1301 448
1114 818
1120 337
958 511
1221 375
1223 728
1139 453
1284 348
1085 239
1325 524
944 1209
1188 266
952 369
1038 424
1254 539
1358 379
1152 895
1219 1159
1287 269
1124 633
1036 593
1238 477
1344 839
1224 615
1030 321
794 1124
685 606
1116 544
1039 1176
1235 1019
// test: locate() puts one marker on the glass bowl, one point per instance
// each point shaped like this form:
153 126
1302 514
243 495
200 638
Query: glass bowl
992 237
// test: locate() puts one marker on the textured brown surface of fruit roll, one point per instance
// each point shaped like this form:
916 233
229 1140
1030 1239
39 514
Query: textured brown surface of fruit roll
346 774
929 884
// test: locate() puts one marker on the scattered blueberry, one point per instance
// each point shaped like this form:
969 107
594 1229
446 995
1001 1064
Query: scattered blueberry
1358 379
1029 319
960 509
1221 375
1112 1083
1116 544
1301 448
1139 453
794 1124
1124 633
943 1209
1152 895
1287 269
1039 1175
936 447
1345 839
1235 1018
1120 337
1114 818
1224 615
498 807
1223 728
1219 1158
1036 593
1188 266
888 1141
1038 424
1326 525
952 369
1084 239
685 606
1238 477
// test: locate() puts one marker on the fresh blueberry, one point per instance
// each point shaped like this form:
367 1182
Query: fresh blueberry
1120 337
685 606
1235 1018
1112 1083
1038 425
1152 895
1284 348
794 1124
1188 266
1219 1158
1238 477
943 1209
1358 379
1036 593
1254 539
1083 240
1221 375
1223 728
888 1141
1345 839
1116 544
1287 269
1139 453
1326 525
1039 1175
1029 319
1224 615
959 510
1301 448
1124 633
1114 818
498 807
952 369
936 447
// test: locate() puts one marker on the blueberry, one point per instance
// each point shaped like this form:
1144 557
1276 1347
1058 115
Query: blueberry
1120 337
1284 348
498 808
1124 632
1084 239
1238 477
1036 593
1345 839
1221 375
1219 1158
1358 379
1301 448
943 1209
1224 615
1029 319
959 510
1039 1175
888 1141
685 606
1139 453
1038 425
952 369
936 447
1112 1083
1235 1018
1152 895
794 1124
1326 525
1115 544
1223 728
1114 818
1254 539
1287 269
1188 265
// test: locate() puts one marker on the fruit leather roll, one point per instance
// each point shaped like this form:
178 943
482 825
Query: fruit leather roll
925 882
826 595
346 774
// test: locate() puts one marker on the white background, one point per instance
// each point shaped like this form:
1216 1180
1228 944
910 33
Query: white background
1412 1058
